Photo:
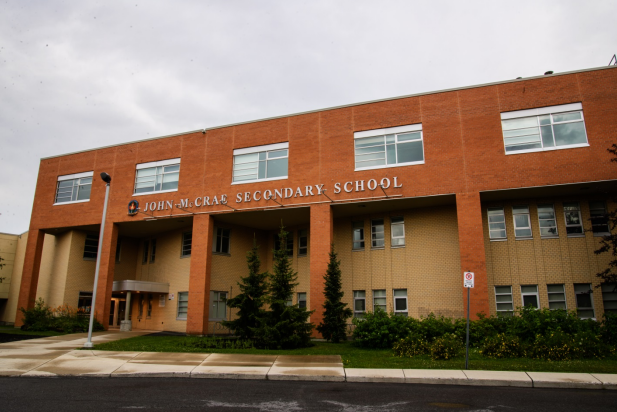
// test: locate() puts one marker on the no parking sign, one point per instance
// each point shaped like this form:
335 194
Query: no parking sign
468 278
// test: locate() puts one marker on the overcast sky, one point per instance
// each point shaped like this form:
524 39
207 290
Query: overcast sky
76 75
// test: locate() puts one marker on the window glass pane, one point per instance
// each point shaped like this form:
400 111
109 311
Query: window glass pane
519 123
277 168
369 150
504 306
246 158
261 173
66 183
583 301
518 147
369 141
277 153
84 192
359 305
400 304
565 117
409 136
555 288
390 138
569 133
151 171
503 289
391 154
546 119
530 300
511 134
398 230
529 289
547 136
410 152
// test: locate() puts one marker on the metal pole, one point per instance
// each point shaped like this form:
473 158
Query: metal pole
467 345
88 343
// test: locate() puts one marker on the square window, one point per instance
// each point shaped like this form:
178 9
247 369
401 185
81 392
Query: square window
546 128
377 233
359 303
522 223
358 235
153 177
496 223
572 214
74 188
218 305
261 163
222 241
397 229
91 247
556 297
599 218
609 297
503 300
400 302
547 221
529 296
379 300
584 301
187 243
302 300
394 146
183 305
302 242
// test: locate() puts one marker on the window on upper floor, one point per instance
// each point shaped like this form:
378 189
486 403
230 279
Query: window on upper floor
584 301
302 242
218 306
183 305
358 235
187 243
154 177
546 128
496 223
394 146
529 296
503 300
522 223
261 163
379 300
400 302
359 303
289 247
574 223
221 240
377 233
556 297
74 188
397 229
302 299
152 250
91 247
146 249
609 297
599 218
547 221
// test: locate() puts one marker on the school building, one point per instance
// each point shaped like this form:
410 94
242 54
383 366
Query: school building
508 180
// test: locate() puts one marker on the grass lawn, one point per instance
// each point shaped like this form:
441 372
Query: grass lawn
12 330
355 357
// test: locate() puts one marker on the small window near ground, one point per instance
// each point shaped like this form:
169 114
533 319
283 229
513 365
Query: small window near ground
302 242
91 247
222 241
377 233
218 306
503 300
400 302
359 303
522 222
74 188
556 297
547 221
302 299
584 301
379 300
187 243
572 214
397 229
496 223
183 305
358 235
529 296
599 218
609 297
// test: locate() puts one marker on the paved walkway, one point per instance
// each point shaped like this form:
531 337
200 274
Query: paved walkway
57 356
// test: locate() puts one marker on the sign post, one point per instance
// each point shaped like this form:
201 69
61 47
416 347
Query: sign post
468 280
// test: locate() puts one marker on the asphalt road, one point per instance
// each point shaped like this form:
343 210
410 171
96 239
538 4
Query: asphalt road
179 394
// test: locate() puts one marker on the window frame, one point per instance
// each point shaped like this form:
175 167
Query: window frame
215 301
603 216
299 296
540 220
260 149
505 228
396 131
394 224
608 289
359 298
580 292
549 111
562 292
374 232
152 251
183 244
358 226
522 210
580 218
380 294
219 233
160 163
502 312
179 306
75 177
303 250
94 242
397 298
536 294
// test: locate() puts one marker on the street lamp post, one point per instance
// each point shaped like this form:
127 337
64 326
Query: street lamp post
107 179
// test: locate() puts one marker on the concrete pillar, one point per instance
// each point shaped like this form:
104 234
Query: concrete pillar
199 279
127 310
471 246
321 237
30 273
106 274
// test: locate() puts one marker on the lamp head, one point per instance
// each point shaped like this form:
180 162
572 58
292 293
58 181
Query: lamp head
106 178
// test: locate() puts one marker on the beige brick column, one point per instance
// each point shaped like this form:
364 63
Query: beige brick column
199 281
30 273
321 237
106 274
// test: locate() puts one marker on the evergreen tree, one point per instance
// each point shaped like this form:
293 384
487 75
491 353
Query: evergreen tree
283 326
250 301
336 312
608 243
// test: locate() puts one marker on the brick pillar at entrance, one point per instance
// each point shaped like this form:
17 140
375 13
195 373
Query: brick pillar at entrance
199 280
321 237
471 246
30 273
106 274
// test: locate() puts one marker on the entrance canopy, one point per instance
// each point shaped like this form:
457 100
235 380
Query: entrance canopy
140 286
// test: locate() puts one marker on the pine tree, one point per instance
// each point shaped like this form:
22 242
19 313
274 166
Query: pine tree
250 301
608 243
283 326
336 312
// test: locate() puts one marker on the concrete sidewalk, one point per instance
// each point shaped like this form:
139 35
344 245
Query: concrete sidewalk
57 356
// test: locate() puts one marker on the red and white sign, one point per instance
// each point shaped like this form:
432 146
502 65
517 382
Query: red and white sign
468 278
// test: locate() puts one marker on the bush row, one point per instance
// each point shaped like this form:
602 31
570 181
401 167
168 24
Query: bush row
61 319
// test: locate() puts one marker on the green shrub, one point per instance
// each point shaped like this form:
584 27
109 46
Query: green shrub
446 347
433 327
61 319
589 345
555 346
411 346
40 318
379 330
608 329
502 346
